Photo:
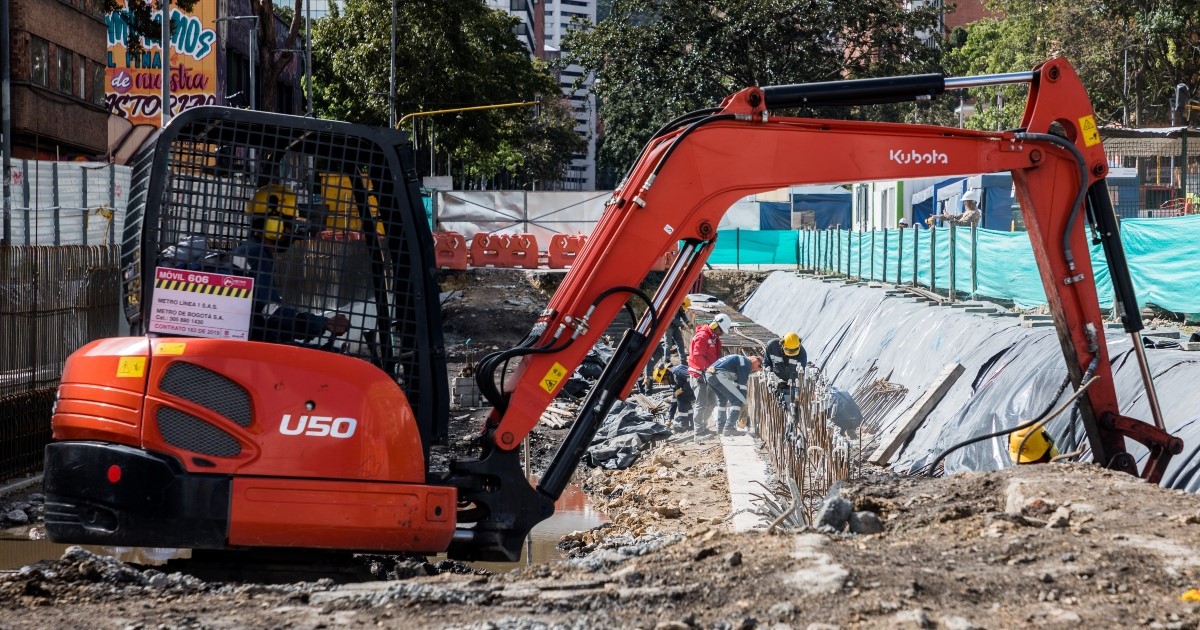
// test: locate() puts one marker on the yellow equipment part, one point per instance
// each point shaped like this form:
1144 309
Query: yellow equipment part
1038 447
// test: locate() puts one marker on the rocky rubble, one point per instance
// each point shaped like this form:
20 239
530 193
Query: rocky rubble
22 509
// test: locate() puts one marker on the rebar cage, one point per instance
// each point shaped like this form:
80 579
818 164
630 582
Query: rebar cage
292 230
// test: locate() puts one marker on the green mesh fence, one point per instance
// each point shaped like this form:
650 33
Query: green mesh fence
1163 254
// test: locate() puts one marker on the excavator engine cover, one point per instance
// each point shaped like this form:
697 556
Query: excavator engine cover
287 380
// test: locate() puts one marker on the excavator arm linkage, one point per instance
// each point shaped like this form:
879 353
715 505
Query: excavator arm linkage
694 169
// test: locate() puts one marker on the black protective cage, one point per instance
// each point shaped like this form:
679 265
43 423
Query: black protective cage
326 217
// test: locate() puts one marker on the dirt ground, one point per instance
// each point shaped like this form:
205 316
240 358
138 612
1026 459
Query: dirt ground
1057 545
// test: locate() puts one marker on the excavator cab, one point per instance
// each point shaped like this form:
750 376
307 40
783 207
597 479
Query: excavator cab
283 362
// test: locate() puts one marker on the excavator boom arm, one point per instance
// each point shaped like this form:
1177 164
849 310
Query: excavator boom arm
688 176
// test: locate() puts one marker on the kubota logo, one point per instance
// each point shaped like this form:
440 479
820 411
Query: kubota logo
318 426
912 156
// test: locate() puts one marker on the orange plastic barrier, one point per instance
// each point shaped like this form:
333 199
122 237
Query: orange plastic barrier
563 250
488 250
522 251
450 250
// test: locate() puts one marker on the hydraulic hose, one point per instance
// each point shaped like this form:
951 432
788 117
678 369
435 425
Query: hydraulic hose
485 375
1068 255
664 130
928 470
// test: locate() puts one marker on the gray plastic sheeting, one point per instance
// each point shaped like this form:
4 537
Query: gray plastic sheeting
1011 373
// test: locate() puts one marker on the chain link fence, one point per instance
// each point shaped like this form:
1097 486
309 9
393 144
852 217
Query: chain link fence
60 289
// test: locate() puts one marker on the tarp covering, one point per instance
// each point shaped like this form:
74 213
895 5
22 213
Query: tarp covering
774 215
1163 257
1011 373
828 209
626 430
542 213
754 247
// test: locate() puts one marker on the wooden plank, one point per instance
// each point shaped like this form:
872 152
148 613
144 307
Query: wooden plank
907 424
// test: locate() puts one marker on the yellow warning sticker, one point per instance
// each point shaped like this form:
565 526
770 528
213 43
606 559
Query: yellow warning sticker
1087 127
131 367
553 377
170 348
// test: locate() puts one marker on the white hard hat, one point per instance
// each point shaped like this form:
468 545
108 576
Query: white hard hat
723 321
972 195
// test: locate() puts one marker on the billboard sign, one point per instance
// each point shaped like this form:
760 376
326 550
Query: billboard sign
134 81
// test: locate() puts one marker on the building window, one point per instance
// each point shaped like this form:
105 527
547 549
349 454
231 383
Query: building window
99 86
39 61
517 5
237 83
65 69
81 86
284 98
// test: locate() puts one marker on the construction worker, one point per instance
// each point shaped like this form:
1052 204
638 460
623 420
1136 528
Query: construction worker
1038 448
676 377
786 358
970 211
674 334
273 220
705 350
729 378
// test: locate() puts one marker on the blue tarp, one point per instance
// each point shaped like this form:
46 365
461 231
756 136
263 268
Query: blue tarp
829 209
998 202
774 215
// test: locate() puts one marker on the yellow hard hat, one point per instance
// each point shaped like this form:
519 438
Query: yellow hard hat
687 303
1038 447
791 344
660 373
277 205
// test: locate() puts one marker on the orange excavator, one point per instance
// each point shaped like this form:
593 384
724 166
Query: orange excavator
287 387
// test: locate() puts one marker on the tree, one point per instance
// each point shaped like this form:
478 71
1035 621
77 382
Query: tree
450 54
273 58
1130 55
651 68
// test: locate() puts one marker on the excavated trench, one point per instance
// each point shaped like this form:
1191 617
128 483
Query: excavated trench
1011 370
888 348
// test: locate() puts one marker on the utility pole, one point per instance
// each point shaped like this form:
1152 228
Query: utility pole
1182 96
308 55
392 77
6 122
165 5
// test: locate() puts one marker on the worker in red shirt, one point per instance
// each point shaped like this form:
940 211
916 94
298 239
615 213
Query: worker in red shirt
705 350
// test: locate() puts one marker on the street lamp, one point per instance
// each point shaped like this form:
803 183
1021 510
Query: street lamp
253 53
434 112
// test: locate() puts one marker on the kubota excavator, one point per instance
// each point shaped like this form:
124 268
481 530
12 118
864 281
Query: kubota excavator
289 384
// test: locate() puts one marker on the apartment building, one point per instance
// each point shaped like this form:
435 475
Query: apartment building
544 23
57 79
